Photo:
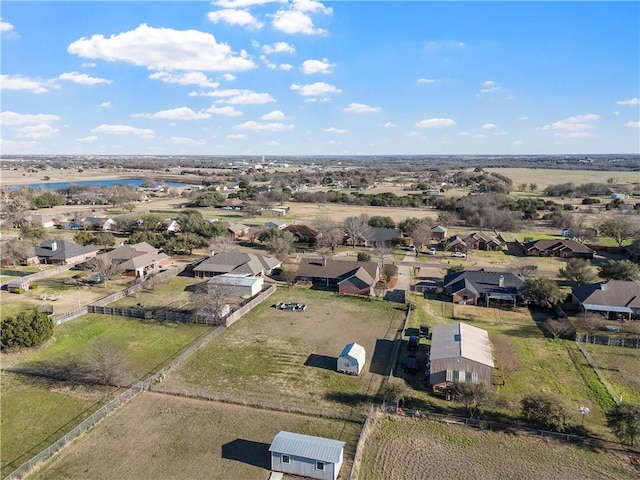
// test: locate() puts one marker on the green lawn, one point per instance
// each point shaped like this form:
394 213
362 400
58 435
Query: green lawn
621 367
172 292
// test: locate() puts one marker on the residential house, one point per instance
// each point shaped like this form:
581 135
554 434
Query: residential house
438 233
139 259
613 299
563 248
171 225
275 211
236 263
474 241
232 204
303 233
45 220
459 353
483 287
63 252
237 230
377 236
276 224
306 455
17 285
90 223
237 285
347 276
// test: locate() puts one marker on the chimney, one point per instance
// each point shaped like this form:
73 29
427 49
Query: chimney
501 281
54 246
603 287
324 262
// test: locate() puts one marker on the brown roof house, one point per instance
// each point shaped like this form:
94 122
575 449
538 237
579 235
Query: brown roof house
474 241
615 298
139 260
63 252
438 232
236 263
348 276
303 233
557 248
483 287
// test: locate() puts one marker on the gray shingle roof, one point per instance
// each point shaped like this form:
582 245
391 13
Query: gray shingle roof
64 249
484 282
454 340
307 446
334 269
238 263
621 293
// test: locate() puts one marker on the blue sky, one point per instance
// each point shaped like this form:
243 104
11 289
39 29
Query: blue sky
301 77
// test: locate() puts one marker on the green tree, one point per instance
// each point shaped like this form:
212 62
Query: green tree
618 229
542 291
82 237
474 396
364 257
384 222
624 420
27 329
33 230
49 200
277 241
619 270
104 240
578 271
154 239
545 410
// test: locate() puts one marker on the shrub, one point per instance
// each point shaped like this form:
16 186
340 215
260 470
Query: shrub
545 410
364 257
19 291
27 329
590 201
33 286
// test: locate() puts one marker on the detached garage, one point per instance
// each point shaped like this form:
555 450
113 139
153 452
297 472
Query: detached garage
352 359
308 456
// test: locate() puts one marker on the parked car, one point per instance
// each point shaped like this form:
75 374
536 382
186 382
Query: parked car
611 328
432 251
414 343
410 364
423 331
459 255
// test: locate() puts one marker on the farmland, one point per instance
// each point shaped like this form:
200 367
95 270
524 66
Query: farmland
160 436
398 448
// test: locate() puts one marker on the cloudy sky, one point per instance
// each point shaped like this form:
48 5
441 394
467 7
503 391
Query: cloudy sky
300 77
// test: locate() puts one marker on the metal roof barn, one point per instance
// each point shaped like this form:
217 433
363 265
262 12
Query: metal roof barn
306 455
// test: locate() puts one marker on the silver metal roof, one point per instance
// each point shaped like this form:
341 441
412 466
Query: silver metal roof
355 351
606 308
461 340
307 446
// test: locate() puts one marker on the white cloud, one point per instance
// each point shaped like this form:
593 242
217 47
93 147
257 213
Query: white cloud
415 135
311 6
90 138
361 108
37 131
227 111
185 141
18 82
285 66
389 125
5 26
275 115
187 78
163 49
123 130
435 123
279 47
335 130
297 19
426 80
631 101
263 127
489 86
489 126
317 66
83 79
236 136
241 18
180 113
247 98
632 124
573 127
314 89
523 118
12 119
227 77
88 64
105 104
242 3
268 62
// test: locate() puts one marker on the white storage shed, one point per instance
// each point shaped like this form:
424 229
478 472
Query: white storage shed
305 455
352 359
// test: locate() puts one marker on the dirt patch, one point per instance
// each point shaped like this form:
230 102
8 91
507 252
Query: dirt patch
159 436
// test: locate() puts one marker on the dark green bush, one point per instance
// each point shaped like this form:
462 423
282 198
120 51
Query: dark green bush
27 329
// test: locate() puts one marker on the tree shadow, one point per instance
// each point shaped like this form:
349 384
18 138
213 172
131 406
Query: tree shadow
249 452
350 399
381 358
321 361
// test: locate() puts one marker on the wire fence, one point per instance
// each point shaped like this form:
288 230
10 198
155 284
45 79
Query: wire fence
630 342
614 395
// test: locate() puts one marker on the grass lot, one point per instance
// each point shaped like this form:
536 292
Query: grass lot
33 410
398 448
50 405
291 356
620 366
548 365
172 292
543 177
160 436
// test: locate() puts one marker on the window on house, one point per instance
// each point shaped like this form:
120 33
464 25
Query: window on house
285 459
319 465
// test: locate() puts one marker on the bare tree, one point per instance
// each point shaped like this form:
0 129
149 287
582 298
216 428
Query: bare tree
421 235
105 267
506 356
209 303
254 233
105 364
558 327
223 243
522 266
14 252
591 322
383 252
290 275
356 229
388 271
330 234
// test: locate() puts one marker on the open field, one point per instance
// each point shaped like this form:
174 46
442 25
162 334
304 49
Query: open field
621 367
398 448
160 436
33 409
543 177
142 348
291 356
547 365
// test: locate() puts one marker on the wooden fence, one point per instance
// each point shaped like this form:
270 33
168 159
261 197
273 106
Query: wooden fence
234 316
49 272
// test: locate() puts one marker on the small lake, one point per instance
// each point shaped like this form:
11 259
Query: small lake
134 182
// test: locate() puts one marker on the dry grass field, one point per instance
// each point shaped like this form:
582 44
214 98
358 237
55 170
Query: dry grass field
291 357
157 436
399 448
543 177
